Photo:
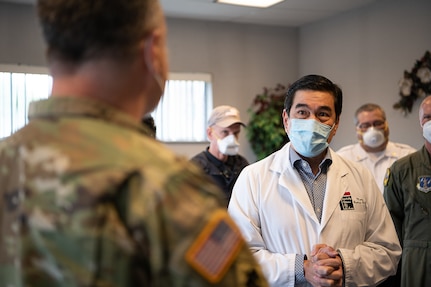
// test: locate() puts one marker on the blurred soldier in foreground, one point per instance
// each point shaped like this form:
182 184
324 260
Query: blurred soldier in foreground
87 198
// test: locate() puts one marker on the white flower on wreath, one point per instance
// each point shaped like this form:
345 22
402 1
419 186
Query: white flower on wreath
406 86
424 74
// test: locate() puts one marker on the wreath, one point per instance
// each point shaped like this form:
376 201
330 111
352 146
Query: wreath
415 84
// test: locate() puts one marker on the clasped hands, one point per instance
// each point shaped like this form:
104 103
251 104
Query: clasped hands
324 267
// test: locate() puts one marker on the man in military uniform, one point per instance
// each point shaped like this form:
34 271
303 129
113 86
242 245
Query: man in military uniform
89 199
407 195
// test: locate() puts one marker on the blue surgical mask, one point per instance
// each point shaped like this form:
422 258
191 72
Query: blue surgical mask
309 137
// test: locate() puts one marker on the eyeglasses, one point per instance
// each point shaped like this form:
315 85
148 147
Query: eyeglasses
376 124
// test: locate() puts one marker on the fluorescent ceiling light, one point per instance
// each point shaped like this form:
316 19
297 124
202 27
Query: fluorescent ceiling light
251 3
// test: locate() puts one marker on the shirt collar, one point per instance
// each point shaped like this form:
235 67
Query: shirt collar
390 151
295 158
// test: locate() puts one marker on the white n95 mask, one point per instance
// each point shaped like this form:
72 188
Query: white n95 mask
373 137
228 145
427 131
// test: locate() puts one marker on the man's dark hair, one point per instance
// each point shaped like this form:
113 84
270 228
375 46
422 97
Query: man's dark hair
78 30
315 83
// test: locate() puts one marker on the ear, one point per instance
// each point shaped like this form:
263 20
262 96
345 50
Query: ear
152 50
210 133
149 53
358 134
334 130
386 131
285 120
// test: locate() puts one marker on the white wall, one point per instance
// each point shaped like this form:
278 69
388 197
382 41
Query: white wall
366 52
241 58
20 40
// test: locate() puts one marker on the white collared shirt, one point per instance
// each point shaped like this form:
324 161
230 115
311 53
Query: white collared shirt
376 165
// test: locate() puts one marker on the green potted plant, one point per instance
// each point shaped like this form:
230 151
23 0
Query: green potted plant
265 130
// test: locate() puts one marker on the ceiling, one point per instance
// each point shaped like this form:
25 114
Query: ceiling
292 13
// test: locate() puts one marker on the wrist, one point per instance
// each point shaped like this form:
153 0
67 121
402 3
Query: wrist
300 261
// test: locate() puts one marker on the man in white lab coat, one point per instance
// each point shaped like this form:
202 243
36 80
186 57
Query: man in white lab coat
310 217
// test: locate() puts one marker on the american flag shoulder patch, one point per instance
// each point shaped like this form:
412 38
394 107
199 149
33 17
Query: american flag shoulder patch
216 247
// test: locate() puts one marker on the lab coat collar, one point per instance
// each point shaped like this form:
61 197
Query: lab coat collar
290 180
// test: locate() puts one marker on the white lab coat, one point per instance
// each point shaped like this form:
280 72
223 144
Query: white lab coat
271 207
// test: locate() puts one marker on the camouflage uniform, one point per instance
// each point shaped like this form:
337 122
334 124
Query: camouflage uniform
88 200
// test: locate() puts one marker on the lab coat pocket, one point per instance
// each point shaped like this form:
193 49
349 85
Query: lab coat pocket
353 225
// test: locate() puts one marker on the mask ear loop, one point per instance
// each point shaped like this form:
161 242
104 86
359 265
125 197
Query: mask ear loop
149 63
332 127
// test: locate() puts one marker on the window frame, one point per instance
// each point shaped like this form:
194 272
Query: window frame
199 124
205 77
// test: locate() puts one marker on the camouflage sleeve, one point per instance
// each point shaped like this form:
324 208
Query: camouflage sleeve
183 233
